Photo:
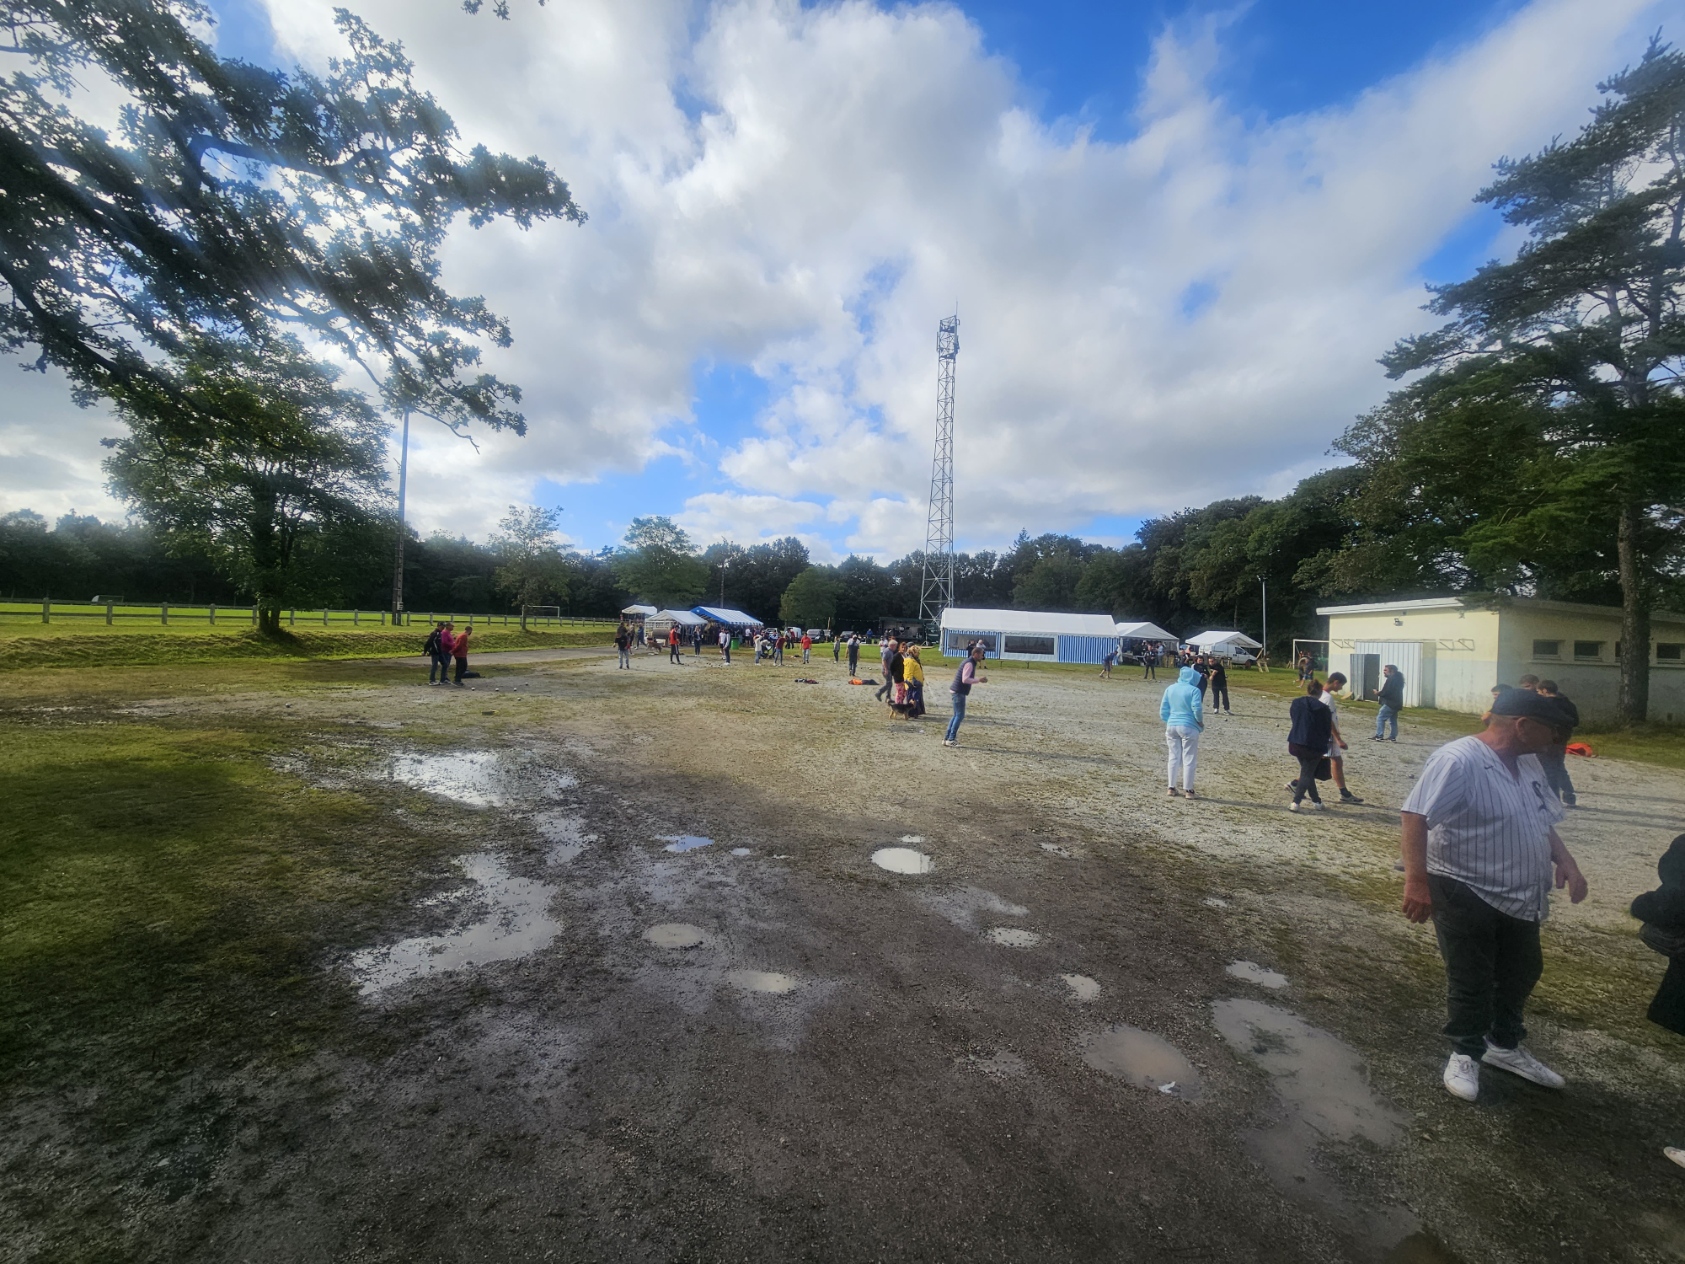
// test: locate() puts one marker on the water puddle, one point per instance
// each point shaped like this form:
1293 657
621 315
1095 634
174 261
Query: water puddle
963 906
1012 937
1212 901
902 860
1057 850
741 851
1082 987
517 923
1325 1097
761 981
1142 1059
1252 972
479 779
1002 1064
566 835
685 842
676 935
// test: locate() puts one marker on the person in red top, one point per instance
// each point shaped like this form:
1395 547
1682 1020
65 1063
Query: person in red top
807 647
459 648
673 645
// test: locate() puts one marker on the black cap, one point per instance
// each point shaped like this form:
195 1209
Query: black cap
1525 703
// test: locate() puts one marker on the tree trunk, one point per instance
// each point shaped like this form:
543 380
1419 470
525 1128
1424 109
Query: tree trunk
1635 621
268 618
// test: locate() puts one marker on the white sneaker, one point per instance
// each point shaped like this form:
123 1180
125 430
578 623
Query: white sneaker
1518 1061
1462 1077
1675 1153
1292 807
1319 807
1173 793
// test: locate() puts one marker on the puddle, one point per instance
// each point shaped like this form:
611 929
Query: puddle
1141 1059
479 779
1082 987
685 842
676 935
566 835
1252 972
1057 850
1325 1098
761 981
1422 1248
517 923
1212 901
902 860
963 906
1002 1064
741 851
1012 937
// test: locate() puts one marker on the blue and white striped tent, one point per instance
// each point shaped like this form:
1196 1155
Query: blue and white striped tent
1032 636
727 617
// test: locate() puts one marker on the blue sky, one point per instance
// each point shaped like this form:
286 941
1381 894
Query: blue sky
1179 236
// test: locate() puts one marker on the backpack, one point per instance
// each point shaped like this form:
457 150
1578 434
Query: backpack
431 644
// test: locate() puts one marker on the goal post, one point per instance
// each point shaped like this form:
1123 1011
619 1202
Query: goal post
540 614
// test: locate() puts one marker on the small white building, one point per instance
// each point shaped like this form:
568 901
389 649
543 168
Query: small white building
1032 636
1451 653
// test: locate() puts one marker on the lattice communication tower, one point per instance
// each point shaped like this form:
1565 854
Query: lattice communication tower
937 592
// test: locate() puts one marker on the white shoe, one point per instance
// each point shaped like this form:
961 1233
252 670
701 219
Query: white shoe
1319 807
1675 1153
1173 793
946 742
1518 1061
1292 807
1462 1077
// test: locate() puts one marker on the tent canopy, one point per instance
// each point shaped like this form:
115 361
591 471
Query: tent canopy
1143 632
727 617
642 612
1218 639
684 618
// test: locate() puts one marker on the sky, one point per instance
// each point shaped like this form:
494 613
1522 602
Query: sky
1177 236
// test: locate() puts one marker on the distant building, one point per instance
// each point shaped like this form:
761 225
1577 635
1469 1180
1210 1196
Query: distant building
1452 653
1031 636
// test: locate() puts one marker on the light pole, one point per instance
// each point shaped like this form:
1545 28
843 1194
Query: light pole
1265 608
725 561
398 563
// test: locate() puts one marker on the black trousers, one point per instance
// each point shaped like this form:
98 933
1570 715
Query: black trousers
1492 963
1149 671
1222 690
1555 760
1306 784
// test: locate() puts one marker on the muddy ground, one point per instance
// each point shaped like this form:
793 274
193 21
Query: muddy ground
584 1034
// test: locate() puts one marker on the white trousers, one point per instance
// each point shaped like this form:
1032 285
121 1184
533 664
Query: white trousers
1183 743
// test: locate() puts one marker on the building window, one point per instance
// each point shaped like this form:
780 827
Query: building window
1030 645
1547 649
957 641
1666 653
1588 649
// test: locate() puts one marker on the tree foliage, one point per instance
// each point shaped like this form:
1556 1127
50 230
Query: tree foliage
658 564
534 571
811 599
238 201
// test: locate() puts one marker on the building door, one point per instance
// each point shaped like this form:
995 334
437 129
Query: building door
1366 676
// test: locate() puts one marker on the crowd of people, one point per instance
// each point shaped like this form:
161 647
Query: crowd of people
443 644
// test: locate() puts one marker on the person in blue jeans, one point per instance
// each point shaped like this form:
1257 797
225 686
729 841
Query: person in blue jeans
970 673
1391 698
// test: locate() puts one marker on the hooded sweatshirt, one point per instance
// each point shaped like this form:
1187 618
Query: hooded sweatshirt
1182 704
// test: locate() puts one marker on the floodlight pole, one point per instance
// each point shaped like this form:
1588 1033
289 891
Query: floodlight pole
398 562
1264 583
936 593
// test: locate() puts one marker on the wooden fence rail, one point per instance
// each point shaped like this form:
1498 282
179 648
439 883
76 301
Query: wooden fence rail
165 615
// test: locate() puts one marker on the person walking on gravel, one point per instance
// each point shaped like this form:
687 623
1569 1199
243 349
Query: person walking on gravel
1337 743
1149 662
438 654
675 646
970 673
836 650
807 649
1183 711
886 660
459 648
1219 675
854 656
623 646
1391 698
725 645
1555 759
1308 738
1480 852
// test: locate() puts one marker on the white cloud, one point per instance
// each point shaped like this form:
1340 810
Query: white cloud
807 188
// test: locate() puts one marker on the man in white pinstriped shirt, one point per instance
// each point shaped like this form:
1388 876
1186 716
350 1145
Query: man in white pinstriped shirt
1480 847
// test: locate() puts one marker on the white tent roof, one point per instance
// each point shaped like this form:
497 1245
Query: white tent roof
1030 622
1207 639
683 617
646 611
1144 632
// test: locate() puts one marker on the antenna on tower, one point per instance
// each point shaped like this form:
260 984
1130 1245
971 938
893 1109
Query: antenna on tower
937 592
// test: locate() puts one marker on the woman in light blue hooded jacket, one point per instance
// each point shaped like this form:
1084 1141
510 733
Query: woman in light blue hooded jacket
1183 713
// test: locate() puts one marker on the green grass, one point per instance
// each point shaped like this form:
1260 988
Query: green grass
55 645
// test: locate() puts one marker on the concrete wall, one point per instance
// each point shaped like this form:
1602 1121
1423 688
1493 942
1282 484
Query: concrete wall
1464 651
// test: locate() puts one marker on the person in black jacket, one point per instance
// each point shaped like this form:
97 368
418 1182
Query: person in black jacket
1555 758
1663 913
1391 698
1219 683
1307 741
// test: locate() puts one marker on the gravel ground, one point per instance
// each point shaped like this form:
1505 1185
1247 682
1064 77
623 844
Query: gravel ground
1034 1050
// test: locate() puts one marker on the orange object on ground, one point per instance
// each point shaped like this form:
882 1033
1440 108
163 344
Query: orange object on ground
1579 748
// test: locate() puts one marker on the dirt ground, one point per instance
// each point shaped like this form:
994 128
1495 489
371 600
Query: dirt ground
654 1000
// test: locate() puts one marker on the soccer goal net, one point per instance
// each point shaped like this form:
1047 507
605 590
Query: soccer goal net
540 615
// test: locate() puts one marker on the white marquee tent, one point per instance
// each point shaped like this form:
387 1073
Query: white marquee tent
1035 636
1143 632
1224 643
